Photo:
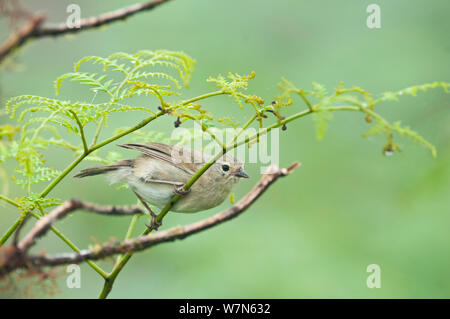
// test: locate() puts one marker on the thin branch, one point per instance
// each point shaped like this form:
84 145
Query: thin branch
69 243
10 231
80 126
33 28
22 221
8 200
250 121
129 234
305 99
206 129
201 97
126 132
291 118
42 226
98 21
135 244
18 39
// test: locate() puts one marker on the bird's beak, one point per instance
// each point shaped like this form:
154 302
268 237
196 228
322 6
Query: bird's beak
241 173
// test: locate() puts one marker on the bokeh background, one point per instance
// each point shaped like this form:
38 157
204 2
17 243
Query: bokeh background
313 234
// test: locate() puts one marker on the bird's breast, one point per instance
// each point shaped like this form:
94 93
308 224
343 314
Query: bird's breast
201 196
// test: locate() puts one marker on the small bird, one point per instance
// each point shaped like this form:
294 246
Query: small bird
162 170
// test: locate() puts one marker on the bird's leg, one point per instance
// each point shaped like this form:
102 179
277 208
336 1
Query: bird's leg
153 223
181 191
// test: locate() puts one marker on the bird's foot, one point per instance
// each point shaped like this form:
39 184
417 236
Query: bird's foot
181 191
154 224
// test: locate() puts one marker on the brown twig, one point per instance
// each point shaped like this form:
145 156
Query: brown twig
22 260
18 39
34 28
18 230
43 224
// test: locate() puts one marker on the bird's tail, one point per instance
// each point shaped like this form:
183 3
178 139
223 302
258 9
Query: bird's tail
105 169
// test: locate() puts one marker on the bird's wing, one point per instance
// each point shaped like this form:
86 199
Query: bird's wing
164 153
162 163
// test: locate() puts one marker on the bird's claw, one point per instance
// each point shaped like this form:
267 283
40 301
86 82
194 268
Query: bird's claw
181 191
154 225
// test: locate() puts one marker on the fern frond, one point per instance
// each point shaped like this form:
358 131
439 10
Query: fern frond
63 143
321 120
8 131
181 61
416 137
412 91
319 90
108 63
43 104
233 86
27 203
377 128
157 75
93 80
127 108
228 121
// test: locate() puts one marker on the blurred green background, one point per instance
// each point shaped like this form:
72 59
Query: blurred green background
313 234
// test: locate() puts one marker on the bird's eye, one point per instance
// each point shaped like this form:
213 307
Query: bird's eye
225 167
